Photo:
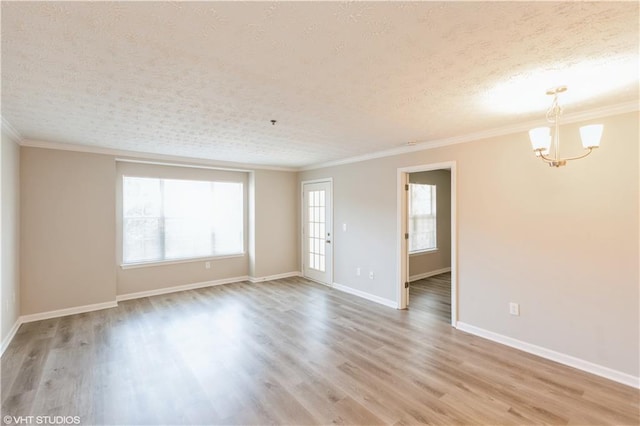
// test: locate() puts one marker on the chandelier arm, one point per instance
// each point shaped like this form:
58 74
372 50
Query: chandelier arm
577 157
551 160
546 159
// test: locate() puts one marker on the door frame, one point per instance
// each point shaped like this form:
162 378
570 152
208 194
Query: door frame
328 180
402 246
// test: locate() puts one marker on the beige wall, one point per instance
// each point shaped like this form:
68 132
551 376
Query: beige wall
161 276
154 277
276 215
67 229
424 263
71 235
9 235
561 242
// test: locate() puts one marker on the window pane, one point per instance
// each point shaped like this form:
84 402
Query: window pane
189 214
141 197
166 219
228 217
422 217
142 240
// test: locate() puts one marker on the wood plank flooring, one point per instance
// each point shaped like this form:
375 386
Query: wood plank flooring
432 296
289 352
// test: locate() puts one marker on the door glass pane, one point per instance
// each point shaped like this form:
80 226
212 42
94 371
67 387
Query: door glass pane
316 229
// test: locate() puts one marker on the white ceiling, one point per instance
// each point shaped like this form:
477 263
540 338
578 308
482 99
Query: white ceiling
204 79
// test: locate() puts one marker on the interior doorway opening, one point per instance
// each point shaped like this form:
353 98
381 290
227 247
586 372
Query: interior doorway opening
427 240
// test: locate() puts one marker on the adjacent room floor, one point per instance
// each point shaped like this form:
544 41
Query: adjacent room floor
289 352
432 296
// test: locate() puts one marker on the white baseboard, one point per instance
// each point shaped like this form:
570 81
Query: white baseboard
417 277
571 361
165 290
274 277
67 311
368 296
11 335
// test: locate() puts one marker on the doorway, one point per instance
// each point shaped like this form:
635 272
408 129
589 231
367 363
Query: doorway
427 241
317 231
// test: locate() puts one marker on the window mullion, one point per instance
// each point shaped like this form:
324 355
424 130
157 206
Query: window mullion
163 242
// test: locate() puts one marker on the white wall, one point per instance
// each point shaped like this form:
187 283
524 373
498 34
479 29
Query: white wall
9 235
561 242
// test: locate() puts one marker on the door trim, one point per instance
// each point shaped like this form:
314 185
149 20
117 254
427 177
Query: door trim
328 180
402 252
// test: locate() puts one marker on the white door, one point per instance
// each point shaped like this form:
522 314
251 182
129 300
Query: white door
317 232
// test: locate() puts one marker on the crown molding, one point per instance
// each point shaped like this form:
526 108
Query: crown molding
125 155
617 109
11 131
188 165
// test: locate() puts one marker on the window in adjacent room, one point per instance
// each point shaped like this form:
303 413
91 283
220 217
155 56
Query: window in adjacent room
172 219
422 217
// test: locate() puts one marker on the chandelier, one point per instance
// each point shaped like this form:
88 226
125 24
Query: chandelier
541 136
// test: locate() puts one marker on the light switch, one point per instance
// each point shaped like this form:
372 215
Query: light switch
514 309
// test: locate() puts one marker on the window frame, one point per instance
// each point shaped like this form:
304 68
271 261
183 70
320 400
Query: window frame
434 214
188 259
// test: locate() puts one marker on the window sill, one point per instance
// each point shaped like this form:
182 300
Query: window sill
418 253
177 261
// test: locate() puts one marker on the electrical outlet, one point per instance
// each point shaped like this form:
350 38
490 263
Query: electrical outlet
371 275
207 265
514 308
358 272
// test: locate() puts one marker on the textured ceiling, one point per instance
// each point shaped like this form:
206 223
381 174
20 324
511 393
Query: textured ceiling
204 79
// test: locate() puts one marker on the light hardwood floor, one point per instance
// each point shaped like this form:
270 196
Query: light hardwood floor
432 296
289 352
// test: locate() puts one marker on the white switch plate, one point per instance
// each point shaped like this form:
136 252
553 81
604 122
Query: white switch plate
344 227
371 275
207 265
514 308
358 272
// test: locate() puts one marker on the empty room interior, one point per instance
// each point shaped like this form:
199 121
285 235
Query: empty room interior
296 213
